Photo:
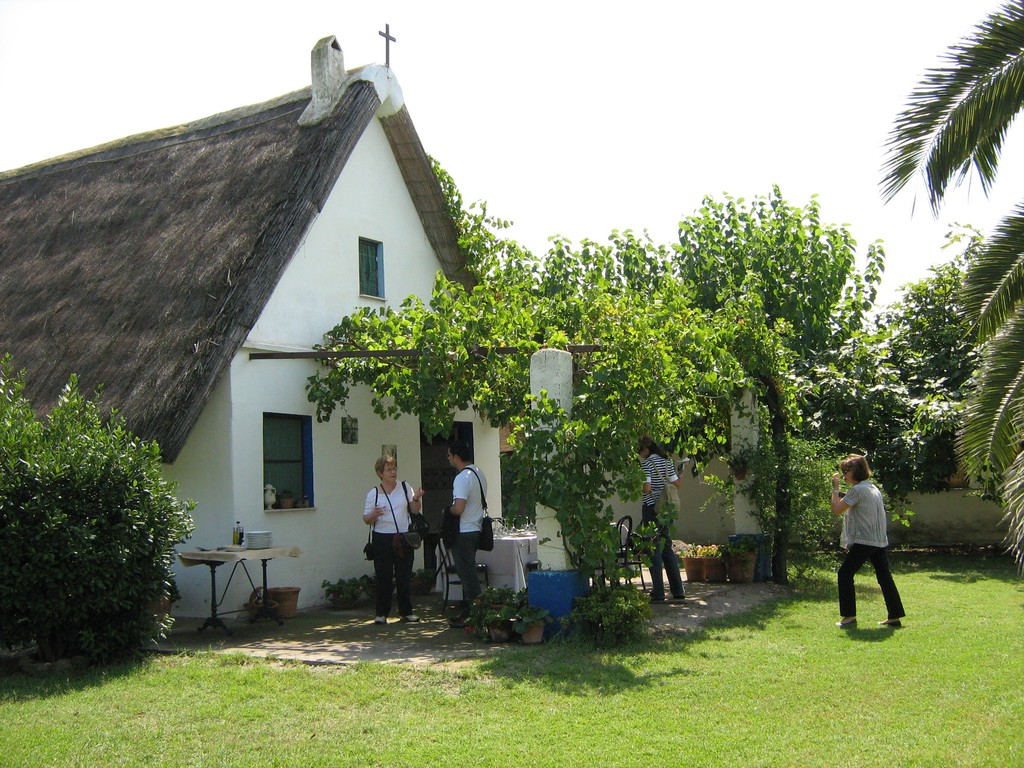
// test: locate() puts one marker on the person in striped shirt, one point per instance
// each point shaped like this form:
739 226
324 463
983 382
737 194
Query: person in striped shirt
658 472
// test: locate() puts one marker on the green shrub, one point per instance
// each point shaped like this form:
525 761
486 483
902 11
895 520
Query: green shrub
493 604
89 528
610 616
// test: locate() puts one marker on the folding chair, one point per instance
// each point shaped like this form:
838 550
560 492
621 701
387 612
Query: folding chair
626 556
450 576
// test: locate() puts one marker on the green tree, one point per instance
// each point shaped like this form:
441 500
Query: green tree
789 286
89 528
899 389
956 120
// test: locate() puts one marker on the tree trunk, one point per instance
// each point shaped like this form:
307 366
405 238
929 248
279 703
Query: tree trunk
783 504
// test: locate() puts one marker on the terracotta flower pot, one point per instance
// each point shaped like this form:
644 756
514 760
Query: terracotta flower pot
534 633
500 631
741 567
421 586
694 567
714 569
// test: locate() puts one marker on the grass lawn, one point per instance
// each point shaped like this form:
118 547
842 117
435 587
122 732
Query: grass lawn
780 686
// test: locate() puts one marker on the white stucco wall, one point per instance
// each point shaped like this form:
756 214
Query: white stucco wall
221 466
951 517
321 285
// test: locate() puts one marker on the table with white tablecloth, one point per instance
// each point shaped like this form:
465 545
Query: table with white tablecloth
506 563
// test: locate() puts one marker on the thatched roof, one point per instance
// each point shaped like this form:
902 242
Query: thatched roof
143 264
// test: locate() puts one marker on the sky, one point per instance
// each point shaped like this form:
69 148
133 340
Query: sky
568 118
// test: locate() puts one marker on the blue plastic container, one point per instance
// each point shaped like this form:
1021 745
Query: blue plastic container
763 561
556 591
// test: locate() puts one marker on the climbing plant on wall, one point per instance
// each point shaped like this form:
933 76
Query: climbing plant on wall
656 365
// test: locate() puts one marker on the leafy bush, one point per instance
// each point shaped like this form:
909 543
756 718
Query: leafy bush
343 590
610 616
89 528
493 604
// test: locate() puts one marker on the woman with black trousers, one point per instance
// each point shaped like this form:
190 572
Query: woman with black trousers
864 538
387 509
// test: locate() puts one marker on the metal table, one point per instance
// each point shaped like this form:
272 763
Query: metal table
214 558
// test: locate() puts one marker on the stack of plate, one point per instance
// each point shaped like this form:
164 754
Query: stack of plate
258 539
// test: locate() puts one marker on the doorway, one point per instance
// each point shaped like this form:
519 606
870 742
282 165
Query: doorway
437 476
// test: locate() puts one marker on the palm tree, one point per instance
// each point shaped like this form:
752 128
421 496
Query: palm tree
956 119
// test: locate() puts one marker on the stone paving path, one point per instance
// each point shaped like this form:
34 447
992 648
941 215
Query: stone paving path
326 636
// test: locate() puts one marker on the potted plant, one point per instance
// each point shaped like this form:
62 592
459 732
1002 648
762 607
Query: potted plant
343 593
740 555
422 582
529 623
740 462
491 613
286 499
714 565
369 582
500 624
693 564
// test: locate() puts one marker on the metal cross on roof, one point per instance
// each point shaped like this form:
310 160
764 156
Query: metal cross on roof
388 40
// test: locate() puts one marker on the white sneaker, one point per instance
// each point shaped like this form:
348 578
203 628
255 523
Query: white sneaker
381 620
412 617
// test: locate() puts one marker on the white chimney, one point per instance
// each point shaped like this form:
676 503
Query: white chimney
328 65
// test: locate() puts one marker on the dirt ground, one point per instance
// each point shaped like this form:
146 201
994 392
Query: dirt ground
325 636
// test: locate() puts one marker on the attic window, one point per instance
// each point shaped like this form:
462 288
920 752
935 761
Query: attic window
371 268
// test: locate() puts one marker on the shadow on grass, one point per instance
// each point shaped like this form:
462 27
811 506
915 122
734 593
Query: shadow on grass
17 685
575 667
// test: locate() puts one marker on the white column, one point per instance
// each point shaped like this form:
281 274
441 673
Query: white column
551 371
744 437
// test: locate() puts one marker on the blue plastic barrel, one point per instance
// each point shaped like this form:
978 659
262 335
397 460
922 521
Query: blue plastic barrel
556 591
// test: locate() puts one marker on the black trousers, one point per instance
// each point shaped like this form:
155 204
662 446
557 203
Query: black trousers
430 544
393 569
856 556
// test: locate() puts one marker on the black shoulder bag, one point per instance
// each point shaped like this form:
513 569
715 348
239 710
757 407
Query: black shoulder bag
486 523
368 547
418 524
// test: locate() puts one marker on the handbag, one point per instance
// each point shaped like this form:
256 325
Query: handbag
486 534
368 547
486 543
418 525
449 527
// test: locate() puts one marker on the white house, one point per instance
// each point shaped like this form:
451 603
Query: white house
156 265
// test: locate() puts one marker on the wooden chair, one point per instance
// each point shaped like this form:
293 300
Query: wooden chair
450 576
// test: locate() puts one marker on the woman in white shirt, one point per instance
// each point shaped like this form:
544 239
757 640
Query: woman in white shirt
864 538
387 509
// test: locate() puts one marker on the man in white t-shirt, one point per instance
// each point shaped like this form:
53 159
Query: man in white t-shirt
468 493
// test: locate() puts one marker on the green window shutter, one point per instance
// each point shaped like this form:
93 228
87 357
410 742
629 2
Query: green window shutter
371 268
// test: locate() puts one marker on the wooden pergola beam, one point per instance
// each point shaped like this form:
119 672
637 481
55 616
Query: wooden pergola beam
341 354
